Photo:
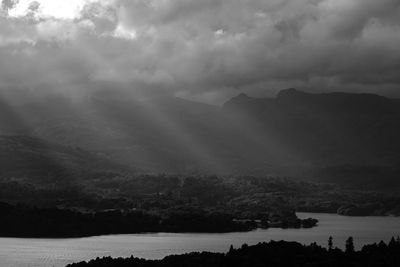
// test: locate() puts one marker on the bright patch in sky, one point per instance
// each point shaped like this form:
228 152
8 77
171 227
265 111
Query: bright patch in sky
124 33
61 9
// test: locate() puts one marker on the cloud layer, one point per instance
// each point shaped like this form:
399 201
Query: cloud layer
206 50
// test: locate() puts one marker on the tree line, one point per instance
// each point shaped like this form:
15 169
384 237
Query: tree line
277 254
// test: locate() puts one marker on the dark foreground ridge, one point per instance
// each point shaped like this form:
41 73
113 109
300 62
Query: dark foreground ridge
270 254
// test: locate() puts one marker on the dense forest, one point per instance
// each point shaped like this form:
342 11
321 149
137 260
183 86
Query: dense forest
98 197
245 197
277 254
26 221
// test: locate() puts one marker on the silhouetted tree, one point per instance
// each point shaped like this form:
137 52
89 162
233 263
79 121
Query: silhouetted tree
392 243
382 245
330 243
349 245
230 249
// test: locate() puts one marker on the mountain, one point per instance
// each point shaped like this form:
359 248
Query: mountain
341 135
30 159
333 136
161 134
336 126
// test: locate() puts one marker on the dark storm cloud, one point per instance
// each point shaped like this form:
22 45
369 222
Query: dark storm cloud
207 49
8 4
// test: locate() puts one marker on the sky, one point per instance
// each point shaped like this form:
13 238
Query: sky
205 50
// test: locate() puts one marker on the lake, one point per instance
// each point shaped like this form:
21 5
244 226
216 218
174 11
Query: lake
22 252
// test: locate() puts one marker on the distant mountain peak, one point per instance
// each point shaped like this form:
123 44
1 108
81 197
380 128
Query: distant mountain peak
242 95
290 92
239 99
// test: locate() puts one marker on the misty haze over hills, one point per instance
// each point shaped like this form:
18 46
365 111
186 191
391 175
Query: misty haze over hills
100 76
332 137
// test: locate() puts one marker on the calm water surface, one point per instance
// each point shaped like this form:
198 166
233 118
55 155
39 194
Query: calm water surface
21 252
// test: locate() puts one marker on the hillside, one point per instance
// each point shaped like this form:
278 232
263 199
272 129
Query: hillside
334 136
29 159
341 135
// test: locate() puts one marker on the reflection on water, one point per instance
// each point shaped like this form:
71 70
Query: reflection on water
18 252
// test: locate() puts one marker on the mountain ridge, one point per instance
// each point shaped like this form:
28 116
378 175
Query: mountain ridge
296 133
